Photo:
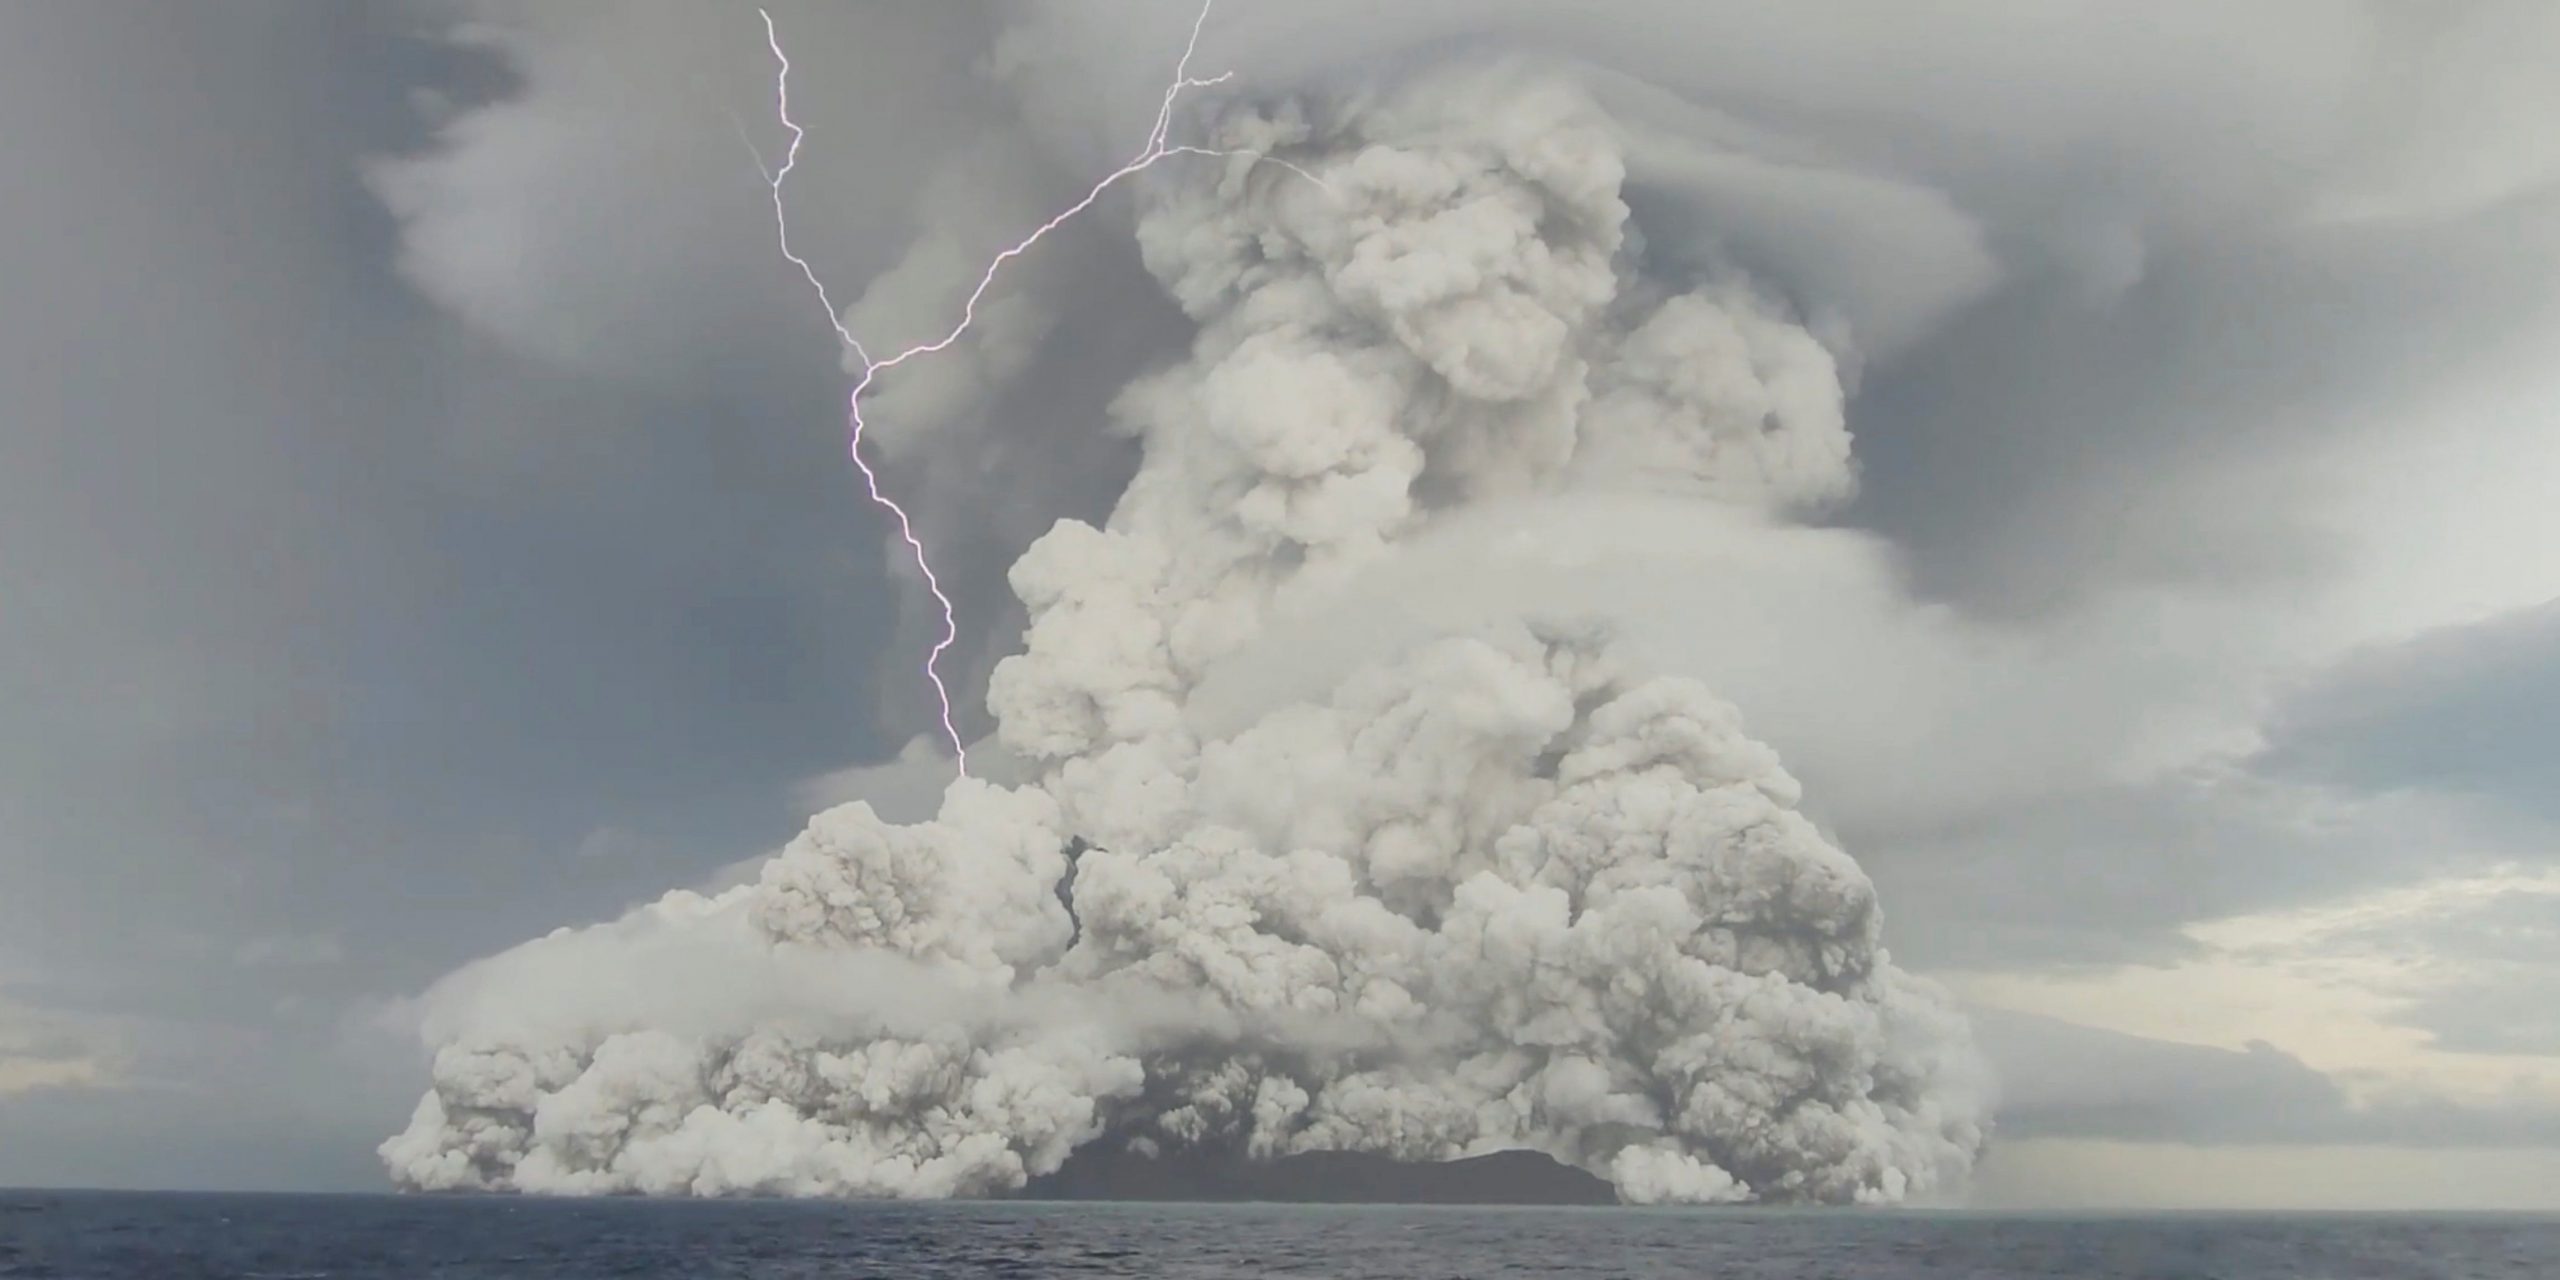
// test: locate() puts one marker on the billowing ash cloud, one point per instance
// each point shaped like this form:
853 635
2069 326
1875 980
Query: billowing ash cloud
1493 889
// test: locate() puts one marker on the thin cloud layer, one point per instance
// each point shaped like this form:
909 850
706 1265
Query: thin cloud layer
2079 1082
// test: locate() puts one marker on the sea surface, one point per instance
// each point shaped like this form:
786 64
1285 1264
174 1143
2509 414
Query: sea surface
112 1236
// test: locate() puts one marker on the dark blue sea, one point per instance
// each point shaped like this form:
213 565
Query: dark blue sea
110 1236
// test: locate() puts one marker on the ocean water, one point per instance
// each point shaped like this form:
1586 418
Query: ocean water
108 1236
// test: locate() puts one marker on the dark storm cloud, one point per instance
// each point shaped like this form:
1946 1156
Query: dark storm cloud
326 617
2071 1081
2110 875
2050 447
2473 708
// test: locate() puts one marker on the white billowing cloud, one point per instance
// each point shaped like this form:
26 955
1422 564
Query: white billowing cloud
1884 171
1717 392
1649 918
483 227
1490 885
609 214
579 1063
1812 629
1542 344
1876 171
907 788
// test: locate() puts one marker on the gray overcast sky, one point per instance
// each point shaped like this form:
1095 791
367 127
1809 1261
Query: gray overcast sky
330 628
394 570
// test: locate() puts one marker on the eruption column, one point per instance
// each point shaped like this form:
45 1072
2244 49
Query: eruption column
1424 892
1157 148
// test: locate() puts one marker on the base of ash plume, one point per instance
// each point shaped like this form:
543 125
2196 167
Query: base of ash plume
1319 1177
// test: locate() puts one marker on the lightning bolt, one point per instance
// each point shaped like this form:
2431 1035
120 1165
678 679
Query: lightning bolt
1158 147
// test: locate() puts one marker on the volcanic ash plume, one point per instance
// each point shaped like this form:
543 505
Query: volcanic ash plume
1495 890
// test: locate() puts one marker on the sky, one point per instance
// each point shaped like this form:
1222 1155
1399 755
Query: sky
423 523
